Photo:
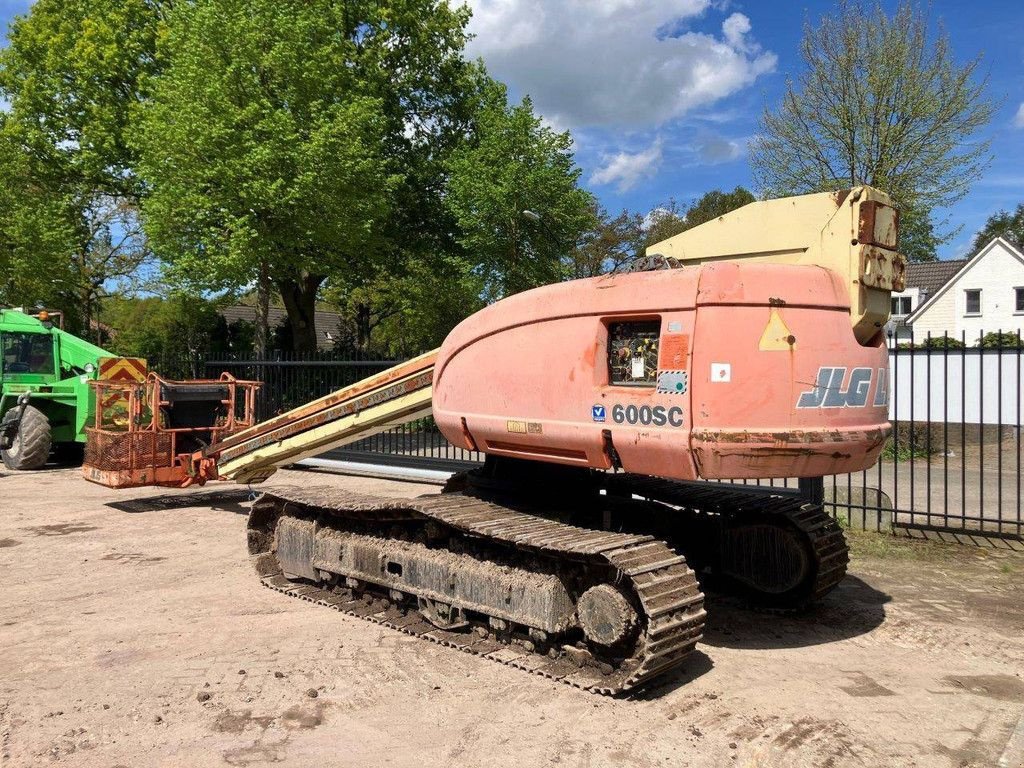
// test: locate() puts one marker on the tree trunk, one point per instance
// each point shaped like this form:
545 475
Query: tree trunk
262 312
300 301
363 327
90 315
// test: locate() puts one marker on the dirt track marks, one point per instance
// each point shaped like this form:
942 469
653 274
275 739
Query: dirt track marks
59 529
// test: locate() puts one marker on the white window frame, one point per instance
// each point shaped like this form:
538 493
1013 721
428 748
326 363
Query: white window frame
1018 295
967 311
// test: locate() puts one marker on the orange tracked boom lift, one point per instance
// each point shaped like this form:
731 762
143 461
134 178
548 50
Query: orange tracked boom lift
755 350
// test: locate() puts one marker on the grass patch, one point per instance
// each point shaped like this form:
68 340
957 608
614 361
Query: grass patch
868 544
913 440
878 548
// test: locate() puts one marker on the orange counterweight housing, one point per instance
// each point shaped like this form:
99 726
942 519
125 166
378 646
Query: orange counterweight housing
723 370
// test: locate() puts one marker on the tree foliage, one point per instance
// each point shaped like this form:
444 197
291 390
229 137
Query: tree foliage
36 231
405 315
175 335
265 143
663 222
609 246
513 193
716 203
881 101
75 73
1009 226
916 239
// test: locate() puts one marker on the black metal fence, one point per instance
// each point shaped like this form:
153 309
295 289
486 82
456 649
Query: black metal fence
953 462
289 380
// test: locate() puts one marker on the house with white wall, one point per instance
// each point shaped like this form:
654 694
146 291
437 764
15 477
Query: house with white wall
985 295
923 280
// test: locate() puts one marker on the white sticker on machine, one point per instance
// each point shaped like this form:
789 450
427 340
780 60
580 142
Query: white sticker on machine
672 382
721 372
639 370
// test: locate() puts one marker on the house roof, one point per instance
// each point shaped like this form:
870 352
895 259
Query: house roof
326 322
929 276
965 263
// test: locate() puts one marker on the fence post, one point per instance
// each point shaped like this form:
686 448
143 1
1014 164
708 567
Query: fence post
812 489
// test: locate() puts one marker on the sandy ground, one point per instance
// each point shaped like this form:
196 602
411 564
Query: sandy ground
142 638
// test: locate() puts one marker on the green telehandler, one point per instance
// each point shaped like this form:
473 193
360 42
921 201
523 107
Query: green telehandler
45 398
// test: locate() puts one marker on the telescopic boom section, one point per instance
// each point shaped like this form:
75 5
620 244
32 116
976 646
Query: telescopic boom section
852 232
370 406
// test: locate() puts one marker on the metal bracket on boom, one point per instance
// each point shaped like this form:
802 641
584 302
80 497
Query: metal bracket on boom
851 232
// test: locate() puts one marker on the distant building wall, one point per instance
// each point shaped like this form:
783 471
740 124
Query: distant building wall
971 387
997 271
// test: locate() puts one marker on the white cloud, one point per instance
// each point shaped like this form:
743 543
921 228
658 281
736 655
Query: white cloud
616 62
735 28
716 149
627 169
1018 119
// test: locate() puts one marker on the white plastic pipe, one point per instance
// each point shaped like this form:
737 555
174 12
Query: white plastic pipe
359 468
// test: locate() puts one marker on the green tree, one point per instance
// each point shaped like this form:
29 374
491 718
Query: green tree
290 138
175 335
75 72
663 222
411 313
514 195
607 247
881 101
36 232
917 240
716 203
1009 226
264 147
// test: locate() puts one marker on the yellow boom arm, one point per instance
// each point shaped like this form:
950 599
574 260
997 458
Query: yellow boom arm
852 232
370 406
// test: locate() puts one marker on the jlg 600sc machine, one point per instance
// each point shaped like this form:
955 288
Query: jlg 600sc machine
754 349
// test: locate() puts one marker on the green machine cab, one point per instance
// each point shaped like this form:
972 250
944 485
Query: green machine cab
45 398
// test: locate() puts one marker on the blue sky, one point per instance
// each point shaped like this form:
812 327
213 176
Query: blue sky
662 96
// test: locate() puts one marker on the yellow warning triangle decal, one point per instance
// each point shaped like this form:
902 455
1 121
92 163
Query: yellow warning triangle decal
776 335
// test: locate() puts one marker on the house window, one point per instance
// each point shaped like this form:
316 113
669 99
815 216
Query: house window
633 352
900 305
972 298
1019 302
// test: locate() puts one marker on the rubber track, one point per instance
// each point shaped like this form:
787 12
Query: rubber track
667 588
831 553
